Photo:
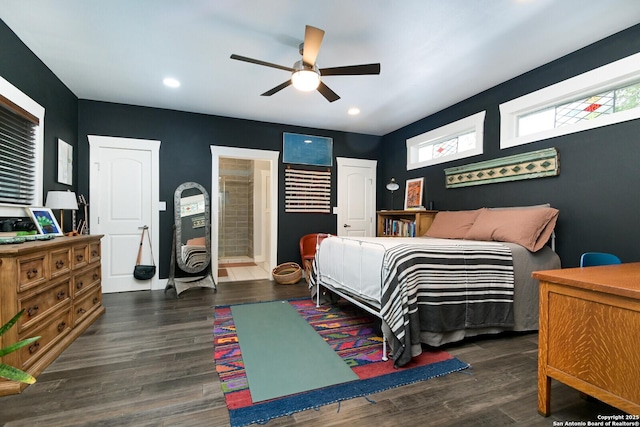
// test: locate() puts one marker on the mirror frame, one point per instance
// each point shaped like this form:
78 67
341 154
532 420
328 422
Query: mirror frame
177 196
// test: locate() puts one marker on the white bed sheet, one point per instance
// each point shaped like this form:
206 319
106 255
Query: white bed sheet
355 264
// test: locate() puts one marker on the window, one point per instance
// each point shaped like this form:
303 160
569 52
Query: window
456 140
21 142
604 96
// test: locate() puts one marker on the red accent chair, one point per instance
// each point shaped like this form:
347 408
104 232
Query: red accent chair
308 245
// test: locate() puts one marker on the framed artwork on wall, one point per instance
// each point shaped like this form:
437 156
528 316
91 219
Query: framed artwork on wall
307 149
413 193
65 163
45 221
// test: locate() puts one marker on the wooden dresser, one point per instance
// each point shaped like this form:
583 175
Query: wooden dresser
58 284
589 334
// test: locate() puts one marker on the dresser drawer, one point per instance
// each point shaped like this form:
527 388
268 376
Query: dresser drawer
60 262
85 279
86 304
94 252
32 270
50 333
79 256
42 302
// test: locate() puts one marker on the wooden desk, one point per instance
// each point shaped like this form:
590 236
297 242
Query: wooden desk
589 334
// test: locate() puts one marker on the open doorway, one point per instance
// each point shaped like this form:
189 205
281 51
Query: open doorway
243 223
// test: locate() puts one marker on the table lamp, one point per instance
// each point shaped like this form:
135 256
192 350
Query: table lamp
61 200
392 186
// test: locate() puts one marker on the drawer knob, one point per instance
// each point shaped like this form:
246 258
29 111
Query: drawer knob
96 300
59 264
79 257
32 310
61 326
81 311
94 253
34 347
79 285
60 295
96 276
32 272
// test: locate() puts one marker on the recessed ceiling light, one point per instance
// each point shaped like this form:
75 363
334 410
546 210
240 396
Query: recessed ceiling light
171 82
353 111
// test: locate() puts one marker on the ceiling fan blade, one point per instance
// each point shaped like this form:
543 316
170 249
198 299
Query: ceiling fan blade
327 93
312 41
277 88
258 62
351 70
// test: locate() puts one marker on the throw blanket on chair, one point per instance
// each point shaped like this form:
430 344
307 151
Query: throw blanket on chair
445 288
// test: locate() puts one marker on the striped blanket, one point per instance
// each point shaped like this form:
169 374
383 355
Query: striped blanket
445 288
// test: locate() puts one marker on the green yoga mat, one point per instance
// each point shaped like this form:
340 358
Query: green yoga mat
282 353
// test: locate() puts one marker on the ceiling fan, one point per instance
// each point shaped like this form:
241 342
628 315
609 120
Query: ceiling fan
305 74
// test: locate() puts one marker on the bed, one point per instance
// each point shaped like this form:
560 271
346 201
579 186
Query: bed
469 275
194 252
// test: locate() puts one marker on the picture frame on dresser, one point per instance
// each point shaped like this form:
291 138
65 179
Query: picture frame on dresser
413 193
45 221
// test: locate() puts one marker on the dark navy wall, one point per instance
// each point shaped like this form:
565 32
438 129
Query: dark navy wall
596 191
185 155
20 67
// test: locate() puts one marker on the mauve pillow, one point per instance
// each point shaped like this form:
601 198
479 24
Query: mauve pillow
197 241
527 227
452 224
544 205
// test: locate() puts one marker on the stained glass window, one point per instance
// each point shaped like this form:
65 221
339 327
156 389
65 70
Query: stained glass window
457 140
585 108
447 148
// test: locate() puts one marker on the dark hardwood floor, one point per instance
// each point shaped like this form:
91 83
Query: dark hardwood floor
149 362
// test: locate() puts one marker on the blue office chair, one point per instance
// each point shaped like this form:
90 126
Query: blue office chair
589 259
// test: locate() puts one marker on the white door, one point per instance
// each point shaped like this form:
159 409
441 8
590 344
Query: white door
123 197
356 197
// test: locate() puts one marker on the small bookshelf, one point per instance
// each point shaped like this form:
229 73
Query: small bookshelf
411 223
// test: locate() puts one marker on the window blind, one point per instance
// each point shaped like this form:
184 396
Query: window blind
17 154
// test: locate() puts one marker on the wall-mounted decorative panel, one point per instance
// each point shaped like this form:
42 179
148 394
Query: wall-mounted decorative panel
307 149
307 191
535 164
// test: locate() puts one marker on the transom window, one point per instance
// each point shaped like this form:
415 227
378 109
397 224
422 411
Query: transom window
601 97
456 140
585 108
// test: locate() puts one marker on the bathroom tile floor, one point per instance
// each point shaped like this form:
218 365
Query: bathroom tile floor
239 268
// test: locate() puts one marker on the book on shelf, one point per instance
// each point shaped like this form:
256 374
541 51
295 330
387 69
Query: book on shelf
399 227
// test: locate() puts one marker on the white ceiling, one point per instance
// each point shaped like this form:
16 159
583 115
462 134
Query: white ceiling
433 53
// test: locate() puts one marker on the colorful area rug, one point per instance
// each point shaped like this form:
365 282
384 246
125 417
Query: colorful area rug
273 332
351 332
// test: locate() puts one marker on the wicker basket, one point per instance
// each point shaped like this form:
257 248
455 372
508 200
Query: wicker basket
287 273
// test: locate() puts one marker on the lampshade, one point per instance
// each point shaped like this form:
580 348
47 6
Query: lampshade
61 200
304 78
392 185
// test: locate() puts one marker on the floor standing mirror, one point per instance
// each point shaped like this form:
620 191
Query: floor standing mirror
191 249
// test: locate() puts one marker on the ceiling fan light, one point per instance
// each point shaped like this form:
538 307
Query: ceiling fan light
305 80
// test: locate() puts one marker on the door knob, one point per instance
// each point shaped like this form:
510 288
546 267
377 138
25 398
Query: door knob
346 226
